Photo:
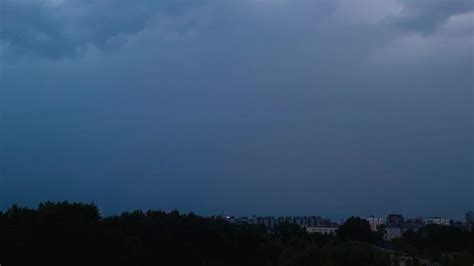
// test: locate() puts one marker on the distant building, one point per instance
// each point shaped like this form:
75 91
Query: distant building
460 225
271 222
391 233
414 224
395 227
375 222
322 230
241 220
437 220
395 220
470 217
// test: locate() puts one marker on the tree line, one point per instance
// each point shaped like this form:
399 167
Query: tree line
64 233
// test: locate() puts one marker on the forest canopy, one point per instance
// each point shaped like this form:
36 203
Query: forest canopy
64 233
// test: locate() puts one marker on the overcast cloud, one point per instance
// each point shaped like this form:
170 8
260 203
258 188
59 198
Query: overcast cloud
255 106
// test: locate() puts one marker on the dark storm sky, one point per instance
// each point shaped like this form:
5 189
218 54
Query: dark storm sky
345 107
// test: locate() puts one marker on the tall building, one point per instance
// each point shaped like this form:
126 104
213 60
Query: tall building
395 227
375 222
414 224
395 220
391 233
470 217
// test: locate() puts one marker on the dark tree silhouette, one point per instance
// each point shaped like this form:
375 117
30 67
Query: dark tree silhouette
63 233
357 229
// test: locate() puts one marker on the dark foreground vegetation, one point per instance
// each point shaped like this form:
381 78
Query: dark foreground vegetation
75 234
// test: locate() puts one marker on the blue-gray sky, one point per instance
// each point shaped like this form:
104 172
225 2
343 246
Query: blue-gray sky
345 107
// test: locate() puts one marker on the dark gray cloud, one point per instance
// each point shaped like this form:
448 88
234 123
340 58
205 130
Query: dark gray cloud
62 28
427 15
277 107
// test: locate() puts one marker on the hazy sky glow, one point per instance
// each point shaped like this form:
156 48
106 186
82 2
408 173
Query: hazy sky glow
345 107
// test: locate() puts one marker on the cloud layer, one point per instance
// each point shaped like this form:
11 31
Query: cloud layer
282 107
63 28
